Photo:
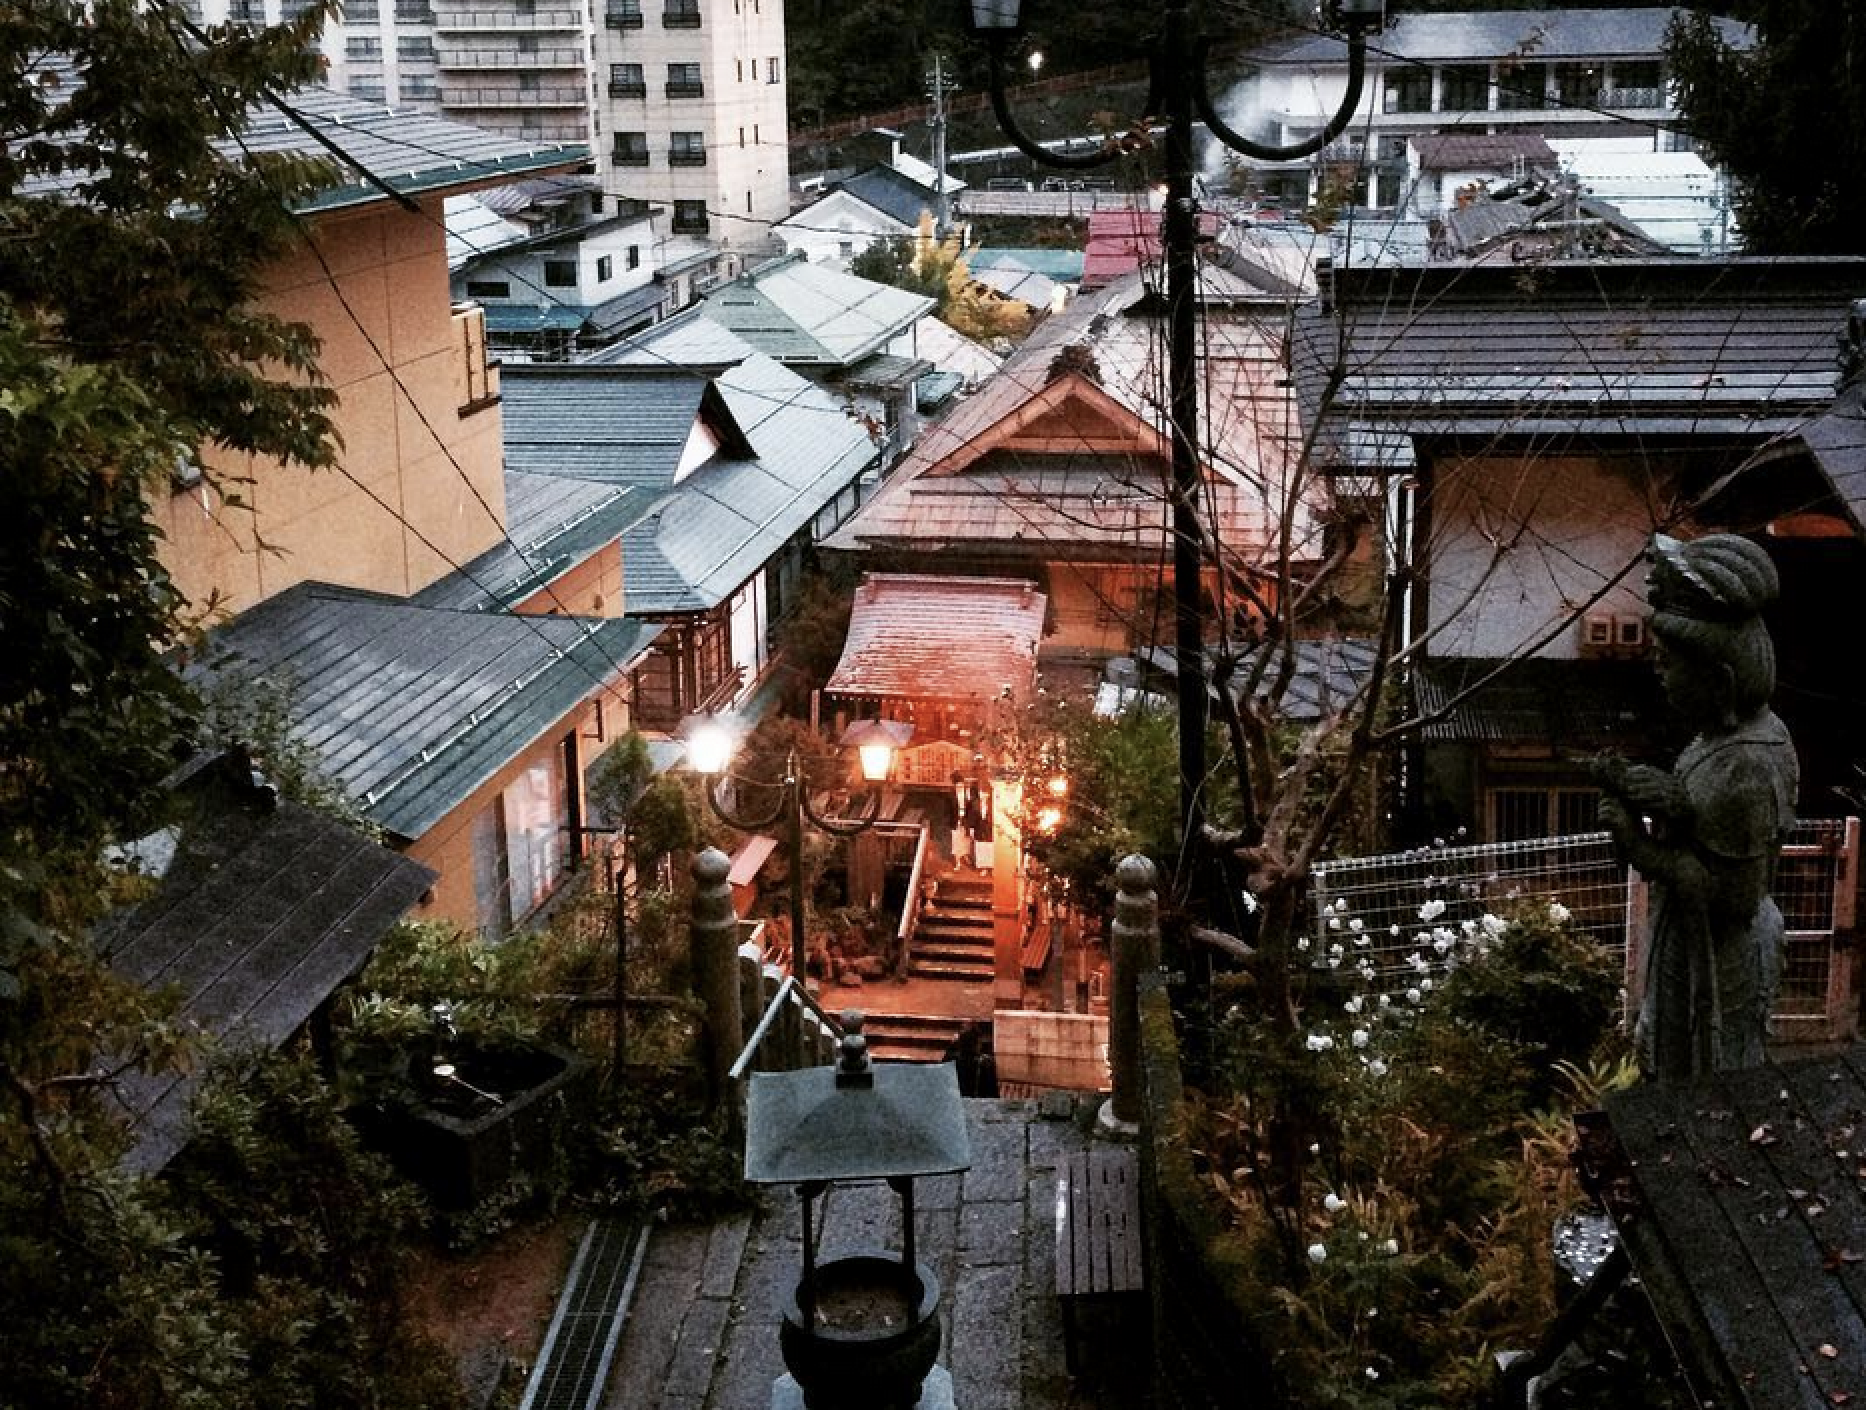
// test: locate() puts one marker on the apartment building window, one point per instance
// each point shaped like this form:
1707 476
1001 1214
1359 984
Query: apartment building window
626 81
1409 90
356 12
1523 87
560 274
681 14
1465 88
527 43
358 46
414 11
489 289
623 14
686 149
771 69
414 46
690 217
631 149
370 92
634 257
605 268
741 139
738 70
683 81
419 88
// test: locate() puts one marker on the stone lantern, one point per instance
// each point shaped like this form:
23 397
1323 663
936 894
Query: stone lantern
861 1331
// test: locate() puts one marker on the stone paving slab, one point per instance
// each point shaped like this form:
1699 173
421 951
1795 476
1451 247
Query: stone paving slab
703 1331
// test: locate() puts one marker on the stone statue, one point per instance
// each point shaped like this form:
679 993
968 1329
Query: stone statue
1707 834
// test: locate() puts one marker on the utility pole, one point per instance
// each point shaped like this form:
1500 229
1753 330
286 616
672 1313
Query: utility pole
937 89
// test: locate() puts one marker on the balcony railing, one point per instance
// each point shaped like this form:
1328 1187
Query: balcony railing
1638 98
621 88
694 89
629 158
682 18
556 57
622 17
686 156
553 19
554 96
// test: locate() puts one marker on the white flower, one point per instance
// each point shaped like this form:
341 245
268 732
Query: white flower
1377 1068
1559 913
1355 1005
1386 1001
1419 962
1372 1374
1334 961
1250 903
1426 985
1413 996
1442 944
1357 925
1393 930
1303 943
1362 1235
1317 1253
1336 949
1390 1247
1494 926
1333 1203
1341 905
1431 910
1334 922
1361 1037
1318 1042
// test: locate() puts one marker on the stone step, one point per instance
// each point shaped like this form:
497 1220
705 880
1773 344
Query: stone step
951 949
910 1037
955 920
960 970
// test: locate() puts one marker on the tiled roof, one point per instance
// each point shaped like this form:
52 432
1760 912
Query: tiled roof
1537 35
921 637
261 910
807 314
1466 151
625 425
409 708
1837 443
1580 706
1636 347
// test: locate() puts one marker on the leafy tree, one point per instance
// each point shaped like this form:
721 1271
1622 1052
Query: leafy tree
1786 118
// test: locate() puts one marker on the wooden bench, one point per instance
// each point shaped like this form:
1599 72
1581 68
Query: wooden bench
1098 1232
1036 948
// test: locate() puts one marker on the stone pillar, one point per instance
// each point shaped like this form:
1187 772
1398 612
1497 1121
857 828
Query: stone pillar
713 940
1135 940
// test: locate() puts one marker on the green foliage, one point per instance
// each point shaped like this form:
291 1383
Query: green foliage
255 715
1787 119
653 1154
893 262
486 990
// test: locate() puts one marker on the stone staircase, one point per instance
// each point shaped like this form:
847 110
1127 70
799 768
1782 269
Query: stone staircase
910 1037
953 938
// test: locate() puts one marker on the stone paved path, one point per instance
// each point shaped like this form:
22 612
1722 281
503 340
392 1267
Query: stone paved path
703 1331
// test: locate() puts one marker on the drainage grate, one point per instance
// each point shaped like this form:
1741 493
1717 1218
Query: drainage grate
573 1364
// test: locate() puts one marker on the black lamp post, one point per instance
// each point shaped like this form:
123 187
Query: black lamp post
709 750
1177 92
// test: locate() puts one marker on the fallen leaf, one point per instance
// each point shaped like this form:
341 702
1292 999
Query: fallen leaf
1763 1135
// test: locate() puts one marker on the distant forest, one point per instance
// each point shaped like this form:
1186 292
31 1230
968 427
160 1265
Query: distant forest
864 56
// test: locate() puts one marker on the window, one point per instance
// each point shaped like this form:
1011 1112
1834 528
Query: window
362 47
626 81
414 46
754 134
683 81
1636 83
741 139
521 845
560 274
622 14
1465 88
489 289
419 88
771 69
1409 90
527 43
686 149
371 92
1577 85
631 149
527 83
845 249
414 11
738 70
605 267
681 14
1522 87
361 12
633 259
690 217
1520 813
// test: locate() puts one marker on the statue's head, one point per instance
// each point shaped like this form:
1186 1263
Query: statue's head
1707 597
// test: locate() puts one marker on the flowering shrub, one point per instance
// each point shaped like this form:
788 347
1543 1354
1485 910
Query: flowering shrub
1416 1240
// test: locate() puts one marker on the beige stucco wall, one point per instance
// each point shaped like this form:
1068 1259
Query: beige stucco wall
591 589
375 289
1517 546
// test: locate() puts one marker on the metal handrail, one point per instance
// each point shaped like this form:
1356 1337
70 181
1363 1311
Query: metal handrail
790 991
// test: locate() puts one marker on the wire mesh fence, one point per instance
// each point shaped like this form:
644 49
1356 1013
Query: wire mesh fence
1384 915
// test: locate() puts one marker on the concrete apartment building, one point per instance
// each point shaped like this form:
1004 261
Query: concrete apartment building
682 100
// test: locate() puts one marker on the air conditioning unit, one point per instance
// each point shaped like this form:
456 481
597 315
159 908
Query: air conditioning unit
1598 634
1629 634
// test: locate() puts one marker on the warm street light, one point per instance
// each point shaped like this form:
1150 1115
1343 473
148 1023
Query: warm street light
710 745
1177 93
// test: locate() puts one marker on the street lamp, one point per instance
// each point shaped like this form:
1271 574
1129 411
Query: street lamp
710 745
1177 92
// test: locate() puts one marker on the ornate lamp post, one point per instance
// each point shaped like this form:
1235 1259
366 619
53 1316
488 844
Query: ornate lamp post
709 749
1178 92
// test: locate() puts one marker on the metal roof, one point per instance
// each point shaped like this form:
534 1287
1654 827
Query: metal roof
1837 443
1737 348
1573 707
1498 151
925 637
1533 36
261 909
793 449
1063 266
409 709
810 315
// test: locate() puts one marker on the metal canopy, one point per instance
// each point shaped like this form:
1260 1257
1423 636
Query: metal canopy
801 1126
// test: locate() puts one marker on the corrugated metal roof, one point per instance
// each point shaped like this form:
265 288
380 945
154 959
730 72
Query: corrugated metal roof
1576 708
1535 36
409 708
923 637
811 315
260 912
1064 266
1625 347
1499 151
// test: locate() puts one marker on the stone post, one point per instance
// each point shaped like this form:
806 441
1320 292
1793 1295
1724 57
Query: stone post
1135 938
713 940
